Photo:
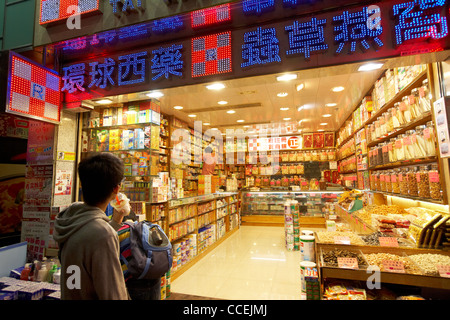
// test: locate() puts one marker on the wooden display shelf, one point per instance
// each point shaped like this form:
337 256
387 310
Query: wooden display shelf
417 122
263 220
404 163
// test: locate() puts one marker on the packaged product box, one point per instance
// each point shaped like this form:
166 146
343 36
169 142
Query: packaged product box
142 116
125 115
131 139
12 291
132 114
114 116
119 116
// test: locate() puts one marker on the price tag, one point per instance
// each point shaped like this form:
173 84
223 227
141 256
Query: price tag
388 241
341 240
347 263
333 165
444 270
332 217
393 266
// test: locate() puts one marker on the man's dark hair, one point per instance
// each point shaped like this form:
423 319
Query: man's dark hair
99 175
208 150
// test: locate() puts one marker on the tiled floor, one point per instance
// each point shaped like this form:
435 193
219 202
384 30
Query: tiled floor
251 264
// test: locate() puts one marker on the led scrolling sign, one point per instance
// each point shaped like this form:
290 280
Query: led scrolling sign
362 28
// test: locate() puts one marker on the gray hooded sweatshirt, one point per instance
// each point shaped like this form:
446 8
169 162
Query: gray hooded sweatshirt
89 241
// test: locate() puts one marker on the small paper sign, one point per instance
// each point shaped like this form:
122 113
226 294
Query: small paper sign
332 217
393 266
388 241
341 240
347 263
444 270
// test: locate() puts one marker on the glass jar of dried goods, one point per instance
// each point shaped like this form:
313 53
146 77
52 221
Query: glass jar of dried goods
403 180
400 152
424 96
435 184
419 142
429 137
387 179
412 182
382 181
408 146
391 149
394 181
404 108
423 183
399 118
385 152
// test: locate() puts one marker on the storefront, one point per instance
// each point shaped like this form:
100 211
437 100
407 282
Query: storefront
328 118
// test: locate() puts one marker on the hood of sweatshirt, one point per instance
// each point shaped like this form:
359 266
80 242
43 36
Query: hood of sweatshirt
73 218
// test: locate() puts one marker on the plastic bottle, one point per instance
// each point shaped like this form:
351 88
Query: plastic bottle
31 274
43 273
57 276
25 272
51 273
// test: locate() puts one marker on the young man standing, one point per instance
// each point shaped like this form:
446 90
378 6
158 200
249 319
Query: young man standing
87 238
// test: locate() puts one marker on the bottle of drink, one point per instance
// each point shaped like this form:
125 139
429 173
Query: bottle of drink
25 272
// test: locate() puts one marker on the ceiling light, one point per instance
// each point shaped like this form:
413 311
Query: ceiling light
103 101
231 111
240 121
192 115
320 130
331 104
282 94
338 89
178 107
370 66
155 94
206 123
286 119
284 109
300 86
323 124
246 126
215 86
326 115
222 102
287 77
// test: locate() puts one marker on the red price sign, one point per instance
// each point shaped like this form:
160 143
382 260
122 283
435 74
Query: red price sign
348 263
444 270
393 266
388 241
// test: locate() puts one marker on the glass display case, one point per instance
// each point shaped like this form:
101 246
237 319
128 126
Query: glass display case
311 203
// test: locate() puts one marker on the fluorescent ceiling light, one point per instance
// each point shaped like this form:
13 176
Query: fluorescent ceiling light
320 130
338 89
370 66
326 115
103 101
300 86
222 102
246 126
215 86
331 104
192 115
323 124
284 109
240 121
282 94
206 123
231 111
286 119
178 107
287 77
155 94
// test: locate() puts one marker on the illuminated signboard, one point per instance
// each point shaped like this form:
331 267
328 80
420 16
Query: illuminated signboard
275 143
360 33
33 90
58 10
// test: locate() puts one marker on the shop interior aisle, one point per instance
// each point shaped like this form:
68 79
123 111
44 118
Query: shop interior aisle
251 264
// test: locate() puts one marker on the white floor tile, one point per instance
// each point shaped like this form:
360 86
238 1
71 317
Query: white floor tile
252 264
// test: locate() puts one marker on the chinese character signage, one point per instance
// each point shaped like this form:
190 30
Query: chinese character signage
33 90
58 10
353 34
275 143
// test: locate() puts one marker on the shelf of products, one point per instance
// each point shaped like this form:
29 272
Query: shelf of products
196 223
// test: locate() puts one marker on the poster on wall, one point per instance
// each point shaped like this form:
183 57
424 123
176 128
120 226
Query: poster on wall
63 182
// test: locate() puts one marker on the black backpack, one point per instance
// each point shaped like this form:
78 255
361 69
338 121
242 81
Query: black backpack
145 250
